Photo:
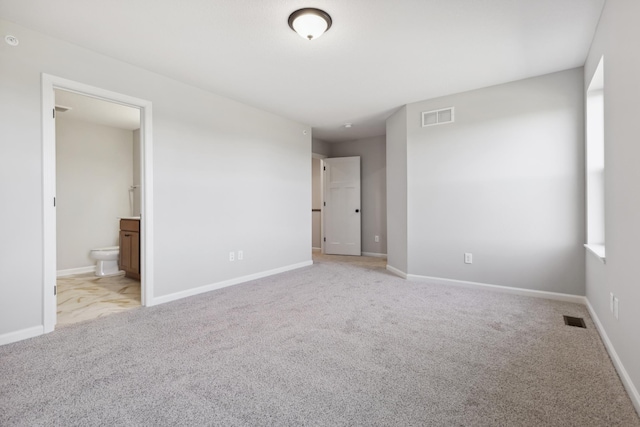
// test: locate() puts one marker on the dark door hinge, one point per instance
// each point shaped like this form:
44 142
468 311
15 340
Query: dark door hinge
325 239
54 113
325 203
324 168
54 202
55 290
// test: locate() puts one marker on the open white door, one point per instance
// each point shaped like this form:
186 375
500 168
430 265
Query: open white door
342 206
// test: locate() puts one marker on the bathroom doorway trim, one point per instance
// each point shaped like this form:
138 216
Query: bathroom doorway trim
49 83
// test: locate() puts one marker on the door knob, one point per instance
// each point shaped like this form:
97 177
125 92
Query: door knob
357 210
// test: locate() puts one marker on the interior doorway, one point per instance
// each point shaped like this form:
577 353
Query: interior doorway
98 183
50 84
316 202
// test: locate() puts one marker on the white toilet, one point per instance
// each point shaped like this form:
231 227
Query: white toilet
107 261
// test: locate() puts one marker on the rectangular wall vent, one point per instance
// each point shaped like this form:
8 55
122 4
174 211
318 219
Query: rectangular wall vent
438 117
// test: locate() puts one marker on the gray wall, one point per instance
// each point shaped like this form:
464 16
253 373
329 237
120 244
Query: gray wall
397 190
617 31
227 176
94 168
319 146
373 163
504 182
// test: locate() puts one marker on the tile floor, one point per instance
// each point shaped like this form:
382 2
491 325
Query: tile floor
85 296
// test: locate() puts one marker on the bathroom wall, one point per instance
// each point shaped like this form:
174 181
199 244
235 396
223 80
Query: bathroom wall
94 168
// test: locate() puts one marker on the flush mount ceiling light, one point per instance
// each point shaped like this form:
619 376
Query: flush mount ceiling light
310 23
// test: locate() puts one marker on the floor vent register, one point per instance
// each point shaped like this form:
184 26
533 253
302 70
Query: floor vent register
574 321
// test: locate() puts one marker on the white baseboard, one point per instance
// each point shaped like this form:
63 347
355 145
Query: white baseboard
20 335
497 288
72 271
505 289
622 372
225 283
397 272
374 254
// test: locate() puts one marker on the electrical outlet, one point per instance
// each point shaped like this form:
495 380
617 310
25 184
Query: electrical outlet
616 307
468 258
611 301
240 255
232 256
376 239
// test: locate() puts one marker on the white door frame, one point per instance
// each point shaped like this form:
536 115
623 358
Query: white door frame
49 83
321 157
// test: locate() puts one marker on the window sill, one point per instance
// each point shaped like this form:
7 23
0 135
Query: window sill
598 251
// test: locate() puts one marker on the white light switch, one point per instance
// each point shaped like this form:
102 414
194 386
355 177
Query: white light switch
616 307
611 302
468 258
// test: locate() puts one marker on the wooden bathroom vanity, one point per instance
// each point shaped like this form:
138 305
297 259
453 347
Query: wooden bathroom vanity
130 247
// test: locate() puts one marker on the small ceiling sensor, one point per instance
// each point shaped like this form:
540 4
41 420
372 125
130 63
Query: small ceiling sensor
304 132
348 125
11 40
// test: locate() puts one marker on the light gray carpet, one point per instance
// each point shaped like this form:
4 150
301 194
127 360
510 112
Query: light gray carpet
337 343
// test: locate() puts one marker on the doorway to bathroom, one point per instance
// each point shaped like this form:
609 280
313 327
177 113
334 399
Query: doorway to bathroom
97 184
97 192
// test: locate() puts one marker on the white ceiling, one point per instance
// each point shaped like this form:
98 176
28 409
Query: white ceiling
97 111
378 55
